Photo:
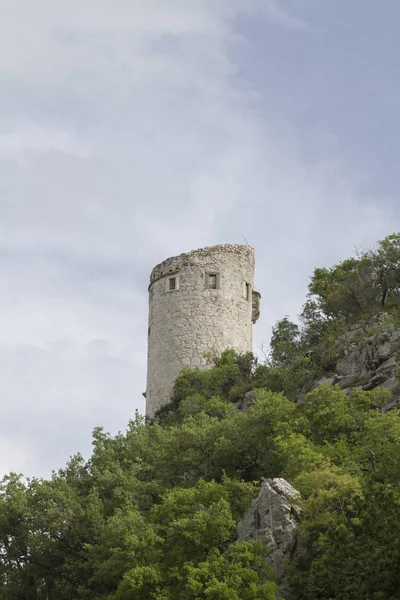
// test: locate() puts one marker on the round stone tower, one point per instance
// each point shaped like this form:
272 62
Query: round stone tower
199 302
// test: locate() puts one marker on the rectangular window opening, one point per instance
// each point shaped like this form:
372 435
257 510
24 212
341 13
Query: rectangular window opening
172 283
212 281
247 291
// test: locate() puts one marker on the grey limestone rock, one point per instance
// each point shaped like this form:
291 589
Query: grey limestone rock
246 402
273 518
370 363
322 381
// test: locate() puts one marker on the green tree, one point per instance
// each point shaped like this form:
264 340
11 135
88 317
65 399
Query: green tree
239 574
285 341
386 263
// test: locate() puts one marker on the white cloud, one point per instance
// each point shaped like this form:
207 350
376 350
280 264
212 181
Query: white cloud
279 11
28 138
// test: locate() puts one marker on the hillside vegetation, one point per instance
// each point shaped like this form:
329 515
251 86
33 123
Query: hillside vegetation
152 515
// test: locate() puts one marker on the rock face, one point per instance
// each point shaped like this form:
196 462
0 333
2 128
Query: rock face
273 519
372 362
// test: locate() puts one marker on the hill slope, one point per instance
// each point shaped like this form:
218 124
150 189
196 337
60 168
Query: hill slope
153 514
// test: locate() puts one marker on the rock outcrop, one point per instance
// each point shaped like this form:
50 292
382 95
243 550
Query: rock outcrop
273 518
245 402
371 362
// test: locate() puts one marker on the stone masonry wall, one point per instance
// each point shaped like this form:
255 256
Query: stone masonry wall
190 320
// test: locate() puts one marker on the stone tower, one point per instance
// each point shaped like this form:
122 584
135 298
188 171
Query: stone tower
199 302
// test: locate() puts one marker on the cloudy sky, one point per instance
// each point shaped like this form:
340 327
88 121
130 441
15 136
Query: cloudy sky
132 130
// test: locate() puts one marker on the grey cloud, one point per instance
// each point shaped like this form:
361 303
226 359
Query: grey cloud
128 133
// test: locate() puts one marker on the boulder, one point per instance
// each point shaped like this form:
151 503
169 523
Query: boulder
273 518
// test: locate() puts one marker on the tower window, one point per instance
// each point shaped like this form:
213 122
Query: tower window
247 291
171 283
212 281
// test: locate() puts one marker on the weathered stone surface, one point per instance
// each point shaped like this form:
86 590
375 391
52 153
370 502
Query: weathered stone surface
323 381
273 519
370 363
388 364
352 380
391 383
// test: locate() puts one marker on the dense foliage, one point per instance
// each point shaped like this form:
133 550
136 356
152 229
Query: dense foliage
152 514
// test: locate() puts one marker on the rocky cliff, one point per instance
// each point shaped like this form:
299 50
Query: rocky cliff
371 358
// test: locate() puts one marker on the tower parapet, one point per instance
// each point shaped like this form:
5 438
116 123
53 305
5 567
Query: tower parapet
199 302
